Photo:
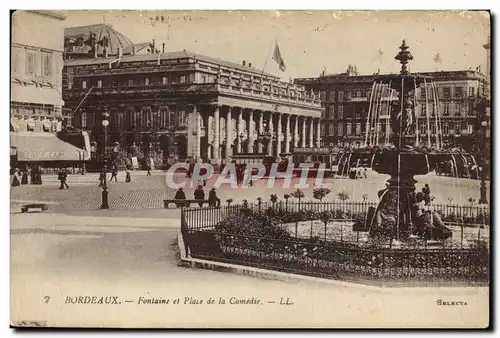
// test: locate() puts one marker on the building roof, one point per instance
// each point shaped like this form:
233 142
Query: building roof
138 47
441 75
169 56
115 38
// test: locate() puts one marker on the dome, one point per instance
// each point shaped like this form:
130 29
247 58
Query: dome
80 39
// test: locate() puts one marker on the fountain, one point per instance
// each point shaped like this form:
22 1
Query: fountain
402 154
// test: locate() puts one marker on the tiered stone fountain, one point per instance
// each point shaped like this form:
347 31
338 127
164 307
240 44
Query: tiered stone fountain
402 160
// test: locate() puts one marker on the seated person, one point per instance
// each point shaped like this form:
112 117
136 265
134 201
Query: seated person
180 195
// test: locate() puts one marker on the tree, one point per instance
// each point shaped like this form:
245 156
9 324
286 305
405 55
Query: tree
286 197
320 193
274 199
343 196
298 194
229 201
259 202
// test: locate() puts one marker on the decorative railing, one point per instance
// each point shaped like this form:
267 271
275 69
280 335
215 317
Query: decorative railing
206 218
271 243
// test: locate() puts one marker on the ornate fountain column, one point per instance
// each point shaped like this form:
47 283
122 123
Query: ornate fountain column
394 215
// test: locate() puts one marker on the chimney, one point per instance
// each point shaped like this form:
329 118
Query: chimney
153 48
120 52
95 50
244 63
133 50
163 47
249 64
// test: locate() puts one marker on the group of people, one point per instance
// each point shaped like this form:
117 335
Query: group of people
355 173
20 176
114 174
199 194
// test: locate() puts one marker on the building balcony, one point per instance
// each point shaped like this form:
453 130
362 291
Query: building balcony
198 89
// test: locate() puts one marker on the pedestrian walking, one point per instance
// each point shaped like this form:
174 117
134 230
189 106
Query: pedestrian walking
148 166
24 179
365 173
114 173
127 177
15 179
62 176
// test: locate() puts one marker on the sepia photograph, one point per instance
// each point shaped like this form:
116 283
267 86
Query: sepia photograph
250 169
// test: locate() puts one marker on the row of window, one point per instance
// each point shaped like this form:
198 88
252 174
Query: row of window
337 112
337 129
338 95
135 82
443 93
32 62
131 119
456 92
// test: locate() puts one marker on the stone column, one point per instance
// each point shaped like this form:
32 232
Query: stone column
216 133
318 134
229 136
239 123
296 132
279 136
194 133
250 129
311 133
261 130
304 135
271 130
287 134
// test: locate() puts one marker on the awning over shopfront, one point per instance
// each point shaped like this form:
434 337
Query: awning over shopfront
36 95
33 147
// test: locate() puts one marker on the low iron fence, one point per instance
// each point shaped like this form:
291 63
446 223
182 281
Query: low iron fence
206 218
341 260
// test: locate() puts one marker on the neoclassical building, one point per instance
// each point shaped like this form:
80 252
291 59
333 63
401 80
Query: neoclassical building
346 98
183 103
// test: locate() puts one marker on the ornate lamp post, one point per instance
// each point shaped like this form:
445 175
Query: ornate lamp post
105 124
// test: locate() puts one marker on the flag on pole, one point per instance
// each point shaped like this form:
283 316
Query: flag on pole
277 57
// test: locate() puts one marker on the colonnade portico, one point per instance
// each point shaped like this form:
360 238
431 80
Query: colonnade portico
228 130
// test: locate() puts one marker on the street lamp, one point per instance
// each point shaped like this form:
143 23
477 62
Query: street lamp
105 124
482 188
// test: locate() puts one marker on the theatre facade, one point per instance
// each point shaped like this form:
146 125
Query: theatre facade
183 103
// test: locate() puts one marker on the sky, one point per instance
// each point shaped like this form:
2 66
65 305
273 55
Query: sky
310 40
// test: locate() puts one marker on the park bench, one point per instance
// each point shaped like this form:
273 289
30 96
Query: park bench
41 206
183 203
